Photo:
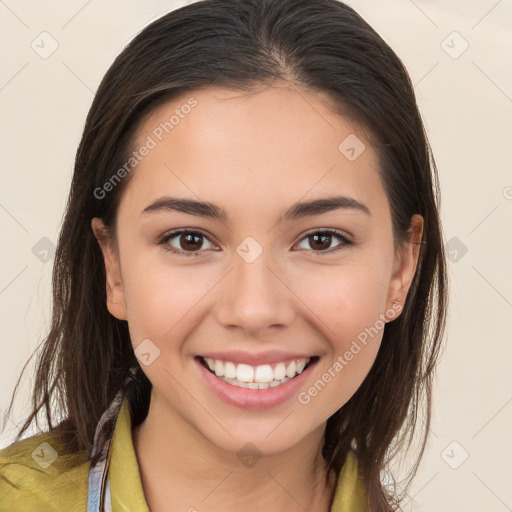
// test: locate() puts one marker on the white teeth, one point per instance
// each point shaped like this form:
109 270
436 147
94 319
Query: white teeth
256 377
229 370
219 368
254 385
280 371
264 373
291 370
300 366
244 373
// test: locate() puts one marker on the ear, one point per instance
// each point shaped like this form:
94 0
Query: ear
406 262
116 303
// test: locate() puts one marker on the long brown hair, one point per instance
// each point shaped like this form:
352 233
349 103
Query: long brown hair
324 46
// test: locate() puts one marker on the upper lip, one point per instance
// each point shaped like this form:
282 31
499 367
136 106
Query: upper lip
253 359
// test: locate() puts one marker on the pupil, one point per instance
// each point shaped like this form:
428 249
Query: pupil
187 240
324 237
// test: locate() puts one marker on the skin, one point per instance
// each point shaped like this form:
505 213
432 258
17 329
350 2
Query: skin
253 154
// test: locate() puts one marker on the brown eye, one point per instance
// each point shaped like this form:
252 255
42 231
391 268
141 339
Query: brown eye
320 241
189 243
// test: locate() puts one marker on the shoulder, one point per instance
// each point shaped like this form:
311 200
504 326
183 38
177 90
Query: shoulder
38 474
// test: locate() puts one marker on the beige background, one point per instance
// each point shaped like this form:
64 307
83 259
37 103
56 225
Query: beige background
466 101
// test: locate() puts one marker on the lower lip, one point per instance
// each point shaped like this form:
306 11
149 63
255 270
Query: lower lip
254 398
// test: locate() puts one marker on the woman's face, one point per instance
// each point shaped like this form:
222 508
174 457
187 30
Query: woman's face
258 287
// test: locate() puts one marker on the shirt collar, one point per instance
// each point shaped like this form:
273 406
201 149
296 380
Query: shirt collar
127 494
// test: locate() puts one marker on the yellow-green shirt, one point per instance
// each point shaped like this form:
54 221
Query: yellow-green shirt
38 475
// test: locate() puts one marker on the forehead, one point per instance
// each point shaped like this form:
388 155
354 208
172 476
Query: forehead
267 146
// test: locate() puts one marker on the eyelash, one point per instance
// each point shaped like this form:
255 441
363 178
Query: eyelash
329 231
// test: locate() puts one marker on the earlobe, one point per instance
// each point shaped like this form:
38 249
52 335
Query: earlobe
406 264
116 304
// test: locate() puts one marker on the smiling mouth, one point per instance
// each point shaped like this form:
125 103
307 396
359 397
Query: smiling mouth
257 377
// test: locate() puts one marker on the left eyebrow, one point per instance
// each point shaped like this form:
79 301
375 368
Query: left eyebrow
296 211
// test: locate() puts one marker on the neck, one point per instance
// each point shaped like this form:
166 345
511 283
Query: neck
182 470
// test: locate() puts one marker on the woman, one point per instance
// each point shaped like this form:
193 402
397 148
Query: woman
249 286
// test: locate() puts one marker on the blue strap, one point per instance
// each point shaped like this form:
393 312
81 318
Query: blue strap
98 496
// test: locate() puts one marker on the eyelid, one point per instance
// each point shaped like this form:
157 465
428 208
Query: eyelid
333 231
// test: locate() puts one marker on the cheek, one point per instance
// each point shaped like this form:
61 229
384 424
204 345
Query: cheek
349 309
161 299
345 300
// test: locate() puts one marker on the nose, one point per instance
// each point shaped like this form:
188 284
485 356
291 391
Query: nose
256 297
